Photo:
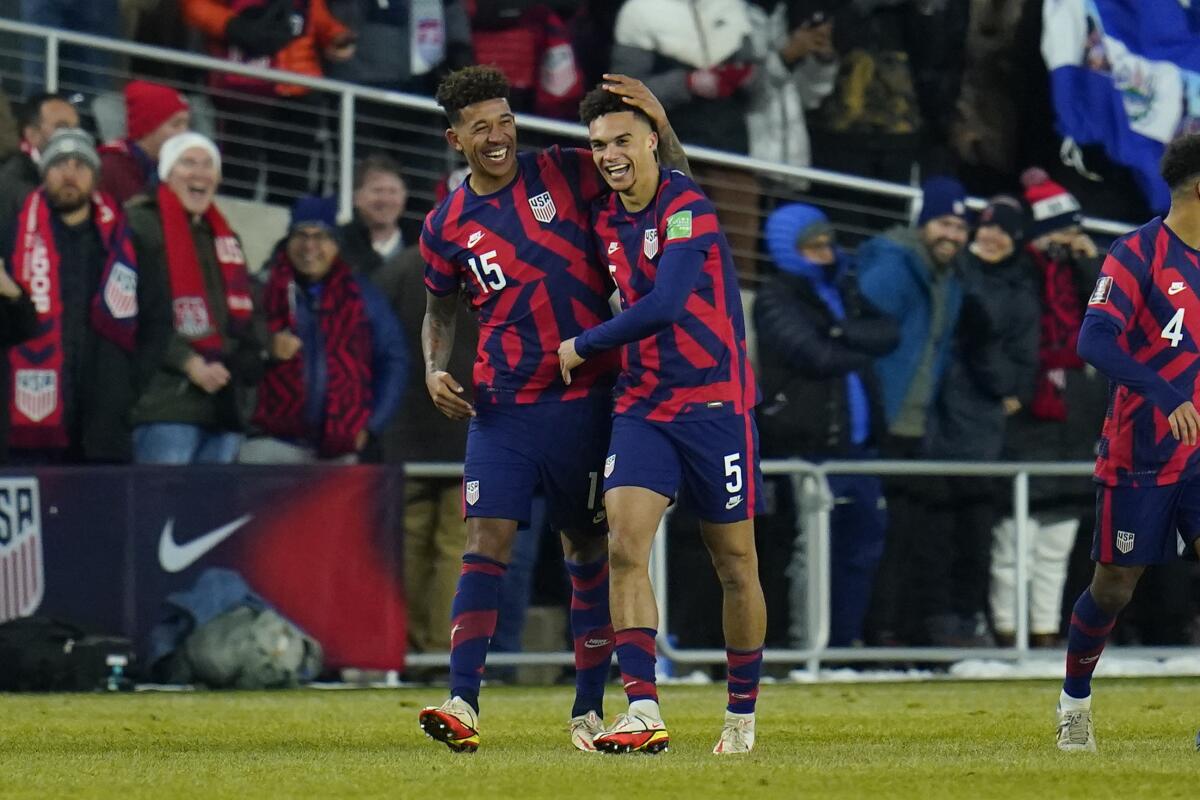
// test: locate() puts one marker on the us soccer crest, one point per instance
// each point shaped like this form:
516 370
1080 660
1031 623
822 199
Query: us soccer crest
542 207
1124 541
610 464
472 492
120 292
191 316
21 572
650 243
35 393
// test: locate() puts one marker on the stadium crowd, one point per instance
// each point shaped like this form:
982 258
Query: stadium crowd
141 334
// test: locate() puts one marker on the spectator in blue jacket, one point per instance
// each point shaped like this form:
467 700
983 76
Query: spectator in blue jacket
910 275
338 358
818 343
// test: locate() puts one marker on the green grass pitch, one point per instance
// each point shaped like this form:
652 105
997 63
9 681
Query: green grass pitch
928 740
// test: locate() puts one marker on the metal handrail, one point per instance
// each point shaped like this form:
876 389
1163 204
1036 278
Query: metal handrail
350 92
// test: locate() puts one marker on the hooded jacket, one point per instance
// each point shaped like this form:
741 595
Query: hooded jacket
818 339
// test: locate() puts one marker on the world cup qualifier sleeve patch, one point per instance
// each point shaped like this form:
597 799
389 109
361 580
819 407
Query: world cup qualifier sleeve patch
1100 293
679 225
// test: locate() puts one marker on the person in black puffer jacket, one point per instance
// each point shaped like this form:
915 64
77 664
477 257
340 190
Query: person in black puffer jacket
991 377
818 340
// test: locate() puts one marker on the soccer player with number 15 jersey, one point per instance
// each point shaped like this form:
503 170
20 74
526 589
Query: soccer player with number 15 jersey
1142 330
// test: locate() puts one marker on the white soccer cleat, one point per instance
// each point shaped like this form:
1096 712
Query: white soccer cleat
737 736
1075 732
584 729
453 723
634 733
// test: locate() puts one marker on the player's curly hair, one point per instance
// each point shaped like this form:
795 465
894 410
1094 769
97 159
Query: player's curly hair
1180 165
468 86
600 101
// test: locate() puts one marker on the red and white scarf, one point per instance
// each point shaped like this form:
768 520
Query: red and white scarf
36 404
189 300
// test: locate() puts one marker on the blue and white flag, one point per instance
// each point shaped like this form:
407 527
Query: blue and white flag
1125 74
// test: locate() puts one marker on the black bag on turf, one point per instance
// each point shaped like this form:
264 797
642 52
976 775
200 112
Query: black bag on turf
39 654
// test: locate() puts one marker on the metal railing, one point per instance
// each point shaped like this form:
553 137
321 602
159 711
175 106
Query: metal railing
814 533
874 204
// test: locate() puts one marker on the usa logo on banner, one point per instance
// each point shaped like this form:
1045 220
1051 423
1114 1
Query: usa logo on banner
542 207
120 293
36 393
22 577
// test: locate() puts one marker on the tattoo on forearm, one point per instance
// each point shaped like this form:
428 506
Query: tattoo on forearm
437 334
670 152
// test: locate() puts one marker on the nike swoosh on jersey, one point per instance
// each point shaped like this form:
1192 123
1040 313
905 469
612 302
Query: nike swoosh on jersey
175 557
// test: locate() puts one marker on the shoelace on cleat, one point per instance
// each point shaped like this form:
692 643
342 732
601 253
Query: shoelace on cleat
1075 727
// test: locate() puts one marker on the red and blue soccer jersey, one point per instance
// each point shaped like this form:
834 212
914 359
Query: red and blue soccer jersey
695 368
524 256
1148 288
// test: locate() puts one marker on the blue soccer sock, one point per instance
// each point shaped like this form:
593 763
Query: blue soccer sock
592 632
636 657
1090 627
745 667
476 604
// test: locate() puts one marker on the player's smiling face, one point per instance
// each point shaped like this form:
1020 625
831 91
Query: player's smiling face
623 148
486 133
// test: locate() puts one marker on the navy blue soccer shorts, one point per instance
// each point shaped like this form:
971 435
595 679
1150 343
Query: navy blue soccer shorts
713 463
1146 524
558 447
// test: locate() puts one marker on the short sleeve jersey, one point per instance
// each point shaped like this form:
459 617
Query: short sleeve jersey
523 257
1148 286
697 368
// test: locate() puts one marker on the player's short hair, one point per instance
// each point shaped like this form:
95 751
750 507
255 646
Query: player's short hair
375 162
600 101
1180 165
468 86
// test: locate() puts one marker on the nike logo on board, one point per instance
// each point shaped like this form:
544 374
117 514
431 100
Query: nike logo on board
175 557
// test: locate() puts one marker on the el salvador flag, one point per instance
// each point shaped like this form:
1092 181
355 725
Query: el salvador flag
1125 74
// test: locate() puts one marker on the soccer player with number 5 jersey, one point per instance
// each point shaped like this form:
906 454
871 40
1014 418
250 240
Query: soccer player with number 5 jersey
1142 330
683 418
515 239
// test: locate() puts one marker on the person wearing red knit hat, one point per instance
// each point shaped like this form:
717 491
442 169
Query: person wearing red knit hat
153 114
1064 263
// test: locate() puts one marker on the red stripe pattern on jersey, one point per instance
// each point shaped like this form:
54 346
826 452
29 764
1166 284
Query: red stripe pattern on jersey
523 257
697 368
1148 286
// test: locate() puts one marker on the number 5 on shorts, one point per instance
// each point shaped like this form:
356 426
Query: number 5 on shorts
733 471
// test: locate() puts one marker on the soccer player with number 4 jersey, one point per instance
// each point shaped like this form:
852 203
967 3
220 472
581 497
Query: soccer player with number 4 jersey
1142 330
515 238
683 418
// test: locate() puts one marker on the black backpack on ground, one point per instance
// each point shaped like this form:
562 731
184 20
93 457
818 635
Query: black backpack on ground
39 654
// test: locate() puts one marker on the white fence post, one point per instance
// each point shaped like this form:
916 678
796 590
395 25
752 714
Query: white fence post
346 158
1021 524
51 63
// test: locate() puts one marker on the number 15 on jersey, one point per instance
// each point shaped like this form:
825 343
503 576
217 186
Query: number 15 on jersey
488 272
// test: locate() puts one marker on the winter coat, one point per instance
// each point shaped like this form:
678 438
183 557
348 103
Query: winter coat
804 356
165 392
301 55
661 41
422 433
18 177
995 356
1086 394
400 43
126 170
895 274
776 118
97 374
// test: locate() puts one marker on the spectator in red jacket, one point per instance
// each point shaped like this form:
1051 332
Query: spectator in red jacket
153 114
291 35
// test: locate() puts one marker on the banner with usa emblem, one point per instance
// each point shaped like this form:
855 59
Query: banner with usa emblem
22 576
